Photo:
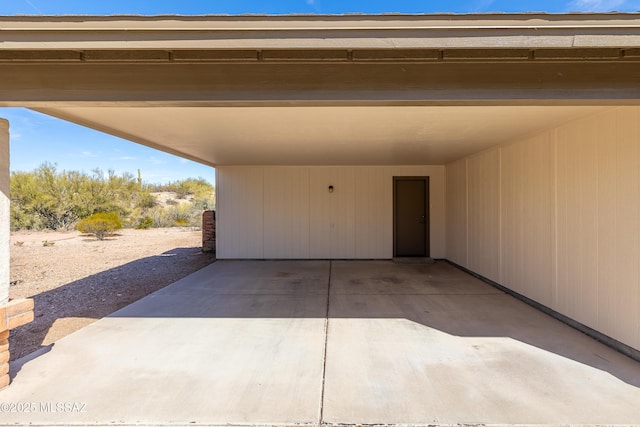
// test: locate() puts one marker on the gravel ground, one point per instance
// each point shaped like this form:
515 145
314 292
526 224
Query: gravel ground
78 279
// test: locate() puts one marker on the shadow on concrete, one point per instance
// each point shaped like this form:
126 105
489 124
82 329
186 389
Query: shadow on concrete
437 296
82 301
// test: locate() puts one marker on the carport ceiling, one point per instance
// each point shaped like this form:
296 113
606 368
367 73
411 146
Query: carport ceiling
323 135
321 90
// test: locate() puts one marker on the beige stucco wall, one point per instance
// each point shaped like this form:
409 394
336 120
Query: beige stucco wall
287 212
4 211
556 217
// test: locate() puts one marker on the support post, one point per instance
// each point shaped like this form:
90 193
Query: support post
16 312
208 231
4 212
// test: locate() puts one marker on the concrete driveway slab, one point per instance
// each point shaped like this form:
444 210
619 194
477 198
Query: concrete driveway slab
190 354
250 343
430 357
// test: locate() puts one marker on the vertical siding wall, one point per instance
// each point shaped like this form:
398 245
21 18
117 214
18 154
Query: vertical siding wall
556 217
287 212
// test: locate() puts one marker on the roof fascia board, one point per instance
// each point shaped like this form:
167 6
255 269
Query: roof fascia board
313 32
409 39
322 32
318 22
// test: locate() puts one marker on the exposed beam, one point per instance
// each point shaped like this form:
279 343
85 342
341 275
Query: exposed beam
396 55
329 83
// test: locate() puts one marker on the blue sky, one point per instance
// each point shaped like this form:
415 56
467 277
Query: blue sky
36 138
191 7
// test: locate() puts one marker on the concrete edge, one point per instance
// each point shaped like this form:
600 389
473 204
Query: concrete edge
598 336
333 425
169 424
435 424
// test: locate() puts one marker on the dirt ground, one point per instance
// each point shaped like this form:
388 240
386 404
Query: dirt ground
76 279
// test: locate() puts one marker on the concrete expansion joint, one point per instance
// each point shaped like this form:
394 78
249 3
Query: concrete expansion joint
326 341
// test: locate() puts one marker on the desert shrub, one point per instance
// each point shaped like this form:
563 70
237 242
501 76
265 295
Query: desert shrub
146 200
202 204
143 223
181 215
47 198
160 217
197 187
23 219
44 199
100 224
52 199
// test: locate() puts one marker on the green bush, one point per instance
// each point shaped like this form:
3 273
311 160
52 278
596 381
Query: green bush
143 223
146 200
100 224
197 187
47 198
52 199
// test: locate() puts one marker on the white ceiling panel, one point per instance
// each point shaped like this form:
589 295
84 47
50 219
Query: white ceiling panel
333 135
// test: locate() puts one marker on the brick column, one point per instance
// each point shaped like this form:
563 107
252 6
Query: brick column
4 359
17 312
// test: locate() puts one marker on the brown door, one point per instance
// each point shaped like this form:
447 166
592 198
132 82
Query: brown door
411 216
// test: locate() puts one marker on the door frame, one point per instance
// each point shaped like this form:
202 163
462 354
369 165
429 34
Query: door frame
427 242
